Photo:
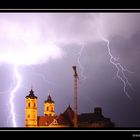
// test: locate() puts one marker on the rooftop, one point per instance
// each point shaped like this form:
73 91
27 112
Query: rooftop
31 95
49 100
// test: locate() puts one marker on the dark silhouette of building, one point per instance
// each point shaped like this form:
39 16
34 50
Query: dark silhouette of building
66 118
94 120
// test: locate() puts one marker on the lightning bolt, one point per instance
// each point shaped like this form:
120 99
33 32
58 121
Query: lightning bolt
16 85
83 77
120 74
6 91
42 76
12 95
120 69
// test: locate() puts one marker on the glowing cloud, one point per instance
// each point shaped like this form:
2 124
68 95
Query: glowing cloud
34 38
23 43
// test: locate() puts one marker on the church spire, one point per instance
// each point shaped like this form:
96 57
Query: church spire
31 94
49 100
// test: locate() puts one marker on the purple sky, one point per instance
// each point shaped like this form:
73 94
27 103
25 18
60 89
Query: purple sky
45 46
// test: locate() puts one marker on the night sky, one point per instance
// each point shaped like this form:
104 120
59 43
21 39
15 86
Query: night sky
43 47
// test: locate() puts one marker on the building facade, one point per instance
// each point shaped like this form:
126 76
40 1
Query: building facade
31 110
65 119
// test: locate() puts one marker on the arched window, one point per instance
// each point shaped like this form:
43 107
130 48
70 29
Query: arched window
47 108
51 109
28 104
28 115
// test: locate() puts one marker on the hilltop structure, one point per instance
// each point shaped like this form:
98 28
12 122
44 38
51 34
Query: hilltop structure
65 119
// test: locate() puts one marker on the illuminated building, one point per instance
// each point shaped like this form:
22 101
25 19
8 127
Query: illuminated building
65 119
31 110
49 107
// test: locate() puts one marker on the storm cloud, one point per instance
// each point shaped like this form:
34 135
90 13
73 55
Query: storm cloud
43 35
49 44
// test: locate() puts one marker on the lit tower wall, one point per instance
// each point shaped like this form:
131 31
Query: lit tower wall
49 107
31 111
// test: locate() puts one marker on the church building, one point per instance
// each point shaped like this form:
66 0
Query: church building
50 119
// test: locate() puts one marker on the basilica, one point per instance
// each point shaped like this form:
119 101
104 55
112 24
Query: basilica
65 119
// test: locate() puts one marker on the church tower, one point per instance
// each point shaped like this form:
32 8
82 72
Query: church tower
31 110
49 107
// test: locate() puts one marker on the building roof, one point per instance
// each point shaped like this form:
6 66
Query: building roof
91 117
95 117
45 120
49 100
66 118
31 95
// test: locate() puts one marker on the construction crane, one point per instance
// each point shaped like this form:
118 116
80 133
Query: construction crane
75 96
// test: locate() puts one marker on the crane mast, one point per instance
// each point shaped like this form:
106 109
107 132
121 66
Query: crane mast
75 97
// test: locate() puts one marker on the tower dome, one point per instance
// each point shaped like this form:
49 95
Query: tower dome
31 95
49 100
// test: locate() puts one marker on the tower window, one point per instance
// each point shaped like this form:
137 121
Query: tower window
51 109
47 108
28 115
34 104
28 104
